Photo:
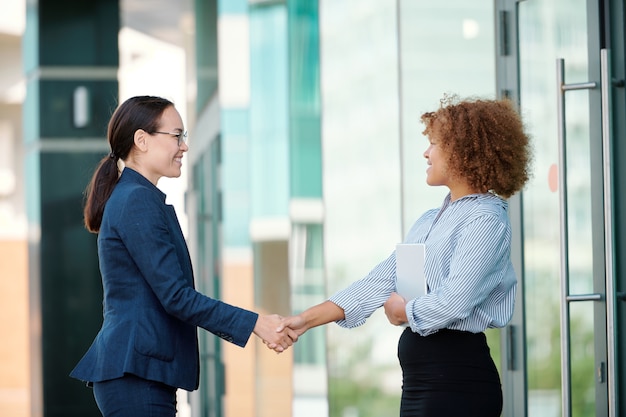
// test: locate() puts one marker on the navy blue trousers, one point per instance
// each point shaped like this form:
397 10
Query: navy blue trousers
131 396
448 374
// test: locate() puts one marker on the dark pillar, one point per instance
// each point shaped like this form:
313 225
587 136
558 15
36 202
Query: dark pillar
206 51
71 61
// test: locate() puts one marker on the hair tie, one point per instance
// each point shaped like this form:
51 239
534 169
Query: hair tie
112 155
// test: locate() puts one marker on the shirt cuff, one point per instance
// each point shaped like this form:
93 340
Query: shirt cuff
413 324
352 311
408 309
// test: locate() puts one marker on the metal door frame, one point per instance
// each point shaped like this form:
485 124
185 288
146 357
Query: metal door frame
603 238
513 337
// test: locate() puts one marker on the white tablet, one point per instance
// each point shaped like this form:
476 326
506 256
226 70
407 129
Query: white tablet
410 280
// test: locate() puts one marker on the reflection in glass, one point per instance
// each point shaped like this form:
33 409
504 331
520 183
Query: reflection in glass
547 31
382 67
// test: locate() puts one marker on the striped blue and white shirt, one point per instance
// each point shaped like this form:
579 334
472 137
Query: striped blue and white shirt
468 270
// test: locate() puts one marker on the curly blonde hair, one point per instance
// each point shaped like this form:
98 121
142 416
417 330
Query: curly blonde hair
485 143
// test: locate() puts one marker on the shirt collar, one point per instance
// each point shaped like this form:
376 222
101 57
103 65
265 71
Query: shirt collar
491 197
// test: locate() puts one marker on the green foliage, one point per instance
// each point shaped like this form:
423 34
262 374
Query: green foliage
544 357
355 386
363 398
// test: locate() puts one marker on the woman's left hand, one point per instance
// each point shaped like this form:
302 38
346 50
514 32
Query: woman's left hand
395 309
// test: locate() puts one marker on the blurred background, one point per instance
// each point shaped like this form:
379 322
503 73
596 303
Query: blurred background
305 169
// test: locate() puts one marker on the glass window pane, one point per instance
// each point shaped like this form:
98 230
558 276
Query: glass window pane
547 31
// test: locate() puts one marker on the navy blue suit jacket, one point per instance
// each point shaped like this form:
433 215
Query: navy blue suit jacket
151 309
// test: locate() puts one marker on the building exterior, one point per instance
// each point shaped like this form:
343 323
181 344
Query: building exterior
255 194
305 169
14 317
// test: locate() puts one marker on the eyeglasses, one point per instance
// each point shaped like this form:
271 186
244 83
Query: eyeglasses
181 136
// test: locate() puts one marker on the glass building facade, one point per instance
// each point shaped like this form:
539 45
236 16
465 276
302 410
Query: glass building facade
306 168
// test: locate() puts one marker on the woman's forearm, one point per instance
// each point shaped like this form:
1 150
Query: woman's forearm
322 313
312 317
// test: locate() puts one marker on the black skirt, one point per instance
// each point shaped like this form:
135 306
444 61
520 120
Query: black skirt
448 374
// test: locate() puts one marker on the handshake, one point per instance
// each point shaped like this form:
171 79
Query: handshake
277 332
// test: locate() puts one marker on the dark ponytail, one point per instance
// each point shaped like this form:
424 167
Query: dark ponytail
142 112
98 192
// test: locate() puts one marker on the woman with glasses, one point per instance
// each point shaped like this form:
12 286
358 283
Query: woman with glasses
147 346
479 151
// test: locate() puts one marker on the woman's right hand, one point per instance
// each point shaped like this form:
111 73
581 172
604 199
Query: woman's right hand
265 328
295 323
311 317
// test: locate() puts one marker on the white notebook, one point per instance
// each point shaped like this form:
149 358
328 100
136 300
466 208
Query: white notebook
410 280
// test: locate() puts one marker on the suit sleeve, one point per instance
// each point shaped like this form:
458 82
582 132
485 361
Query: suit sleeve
144 230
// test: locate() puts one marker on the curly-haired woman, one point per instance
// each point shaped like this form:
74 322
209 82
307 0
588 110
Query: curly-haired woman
479 151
